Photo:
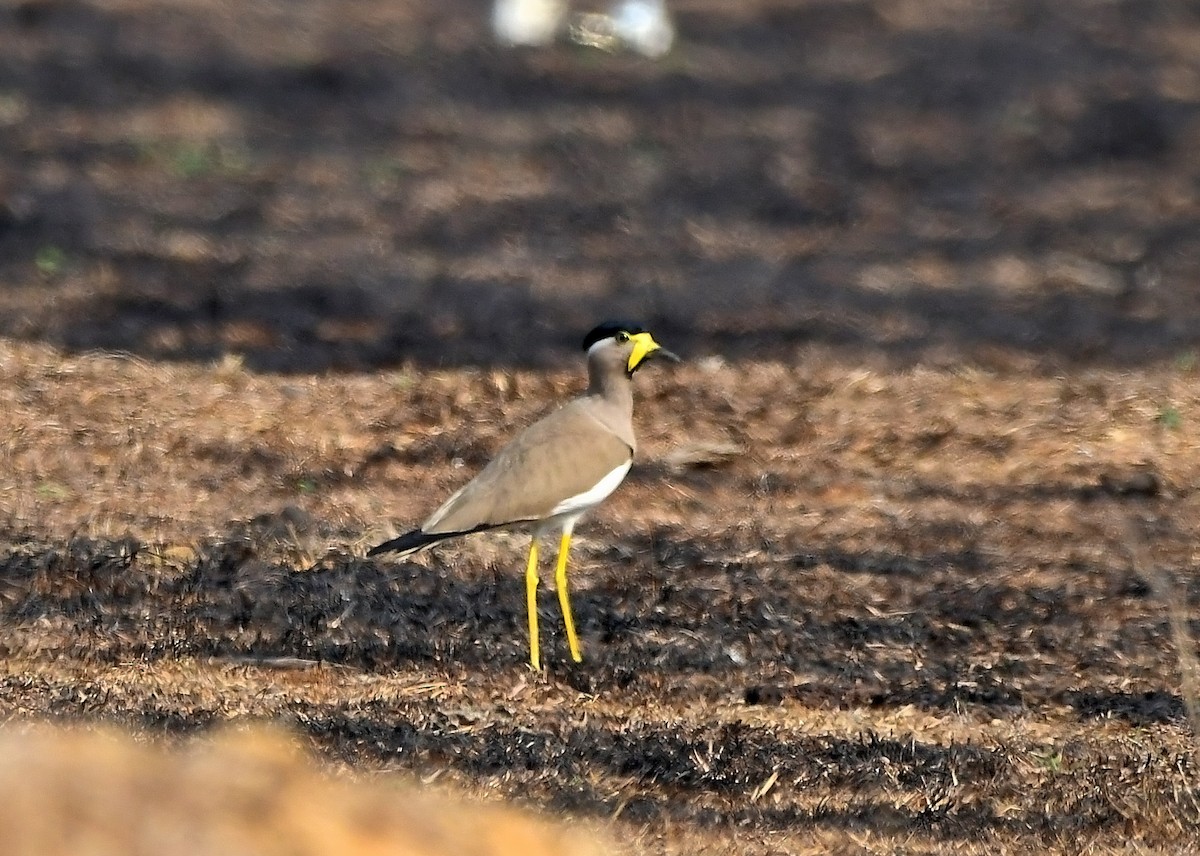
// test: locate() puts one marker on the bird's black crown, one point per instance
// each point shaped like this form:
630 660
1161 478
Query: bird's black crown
609 329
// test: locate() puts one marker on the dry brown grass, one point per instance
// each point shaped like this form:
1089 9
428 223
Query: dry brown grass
902 619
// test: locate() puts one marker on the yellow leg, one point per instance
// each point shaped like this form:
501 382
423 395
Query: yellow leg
560 579
531 584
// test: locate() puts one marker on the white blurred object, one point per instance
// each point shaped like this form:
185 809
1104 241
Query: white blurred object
639 25
527 22
643 25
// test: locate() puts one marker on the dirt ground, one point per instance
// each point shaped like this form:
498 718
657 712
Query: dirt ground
909 551
240 791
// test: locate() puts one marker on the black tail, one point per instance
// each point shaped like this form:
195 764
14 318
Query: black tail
409 542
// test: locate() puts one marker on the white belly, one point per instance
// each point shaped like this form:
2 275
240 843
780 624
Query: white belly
594 496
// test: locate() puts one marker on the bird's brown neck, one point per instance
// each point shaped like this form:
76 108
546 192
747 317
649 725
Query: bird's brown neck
611 388
612 384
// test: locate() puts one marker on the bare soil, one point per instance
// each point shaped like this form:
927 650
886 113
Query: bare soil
897 568
243 791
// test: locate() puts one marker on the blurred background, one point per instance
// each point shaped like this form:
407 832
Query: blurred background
314 185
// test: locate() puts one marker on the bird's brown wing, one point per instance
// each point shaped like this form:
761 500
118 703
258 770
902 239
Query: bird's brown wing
561 456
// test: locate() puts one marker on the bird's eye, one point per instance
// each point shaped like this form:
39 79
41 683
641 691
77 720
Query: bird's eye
622 336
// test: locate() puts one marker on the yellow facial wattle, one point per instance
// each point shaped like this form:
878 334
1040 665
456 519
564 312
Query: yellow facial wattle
643 345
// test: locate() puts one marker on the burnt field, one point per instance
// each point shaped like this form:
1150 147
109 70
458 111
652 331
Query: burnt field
908 555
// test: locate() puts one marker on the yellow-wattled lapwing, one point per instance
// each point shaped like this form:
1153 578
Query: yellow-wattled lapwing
555 470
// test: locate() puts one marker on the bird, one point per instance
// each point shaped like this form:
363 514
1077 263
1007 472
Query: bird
554 471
